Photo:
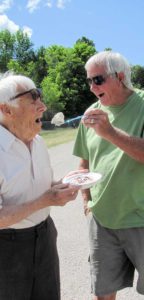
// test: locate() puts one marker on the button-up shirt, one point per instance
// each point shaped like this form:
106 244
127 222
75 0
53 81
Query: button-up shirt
24 174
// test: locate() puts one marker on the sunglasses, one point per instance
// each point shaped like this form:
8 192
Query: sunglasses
35 94
99 79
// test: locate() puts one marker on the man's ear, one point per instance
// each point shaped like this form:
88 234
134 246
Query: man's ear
120 76
5 109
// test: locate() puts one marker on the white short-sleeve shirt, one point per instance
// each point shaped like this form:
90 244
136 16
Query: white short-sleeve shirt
24 175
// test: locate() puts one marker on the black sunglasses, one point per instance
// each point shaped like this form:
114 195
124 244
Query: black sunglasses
100 79
35 93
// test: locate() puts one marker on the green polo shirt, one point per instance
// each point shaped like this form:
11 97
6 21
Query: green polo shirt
118 199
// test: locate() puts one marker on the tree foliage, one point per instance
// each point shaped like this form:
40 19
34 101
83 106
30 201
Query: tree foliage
7 42
23 48
138 76
57 70
67 78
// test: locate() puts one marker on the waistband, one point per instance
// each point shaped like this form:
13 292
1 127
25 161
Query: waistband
30 231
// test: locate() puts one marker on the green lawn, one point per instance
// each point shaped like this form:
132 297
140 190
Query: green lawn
58 136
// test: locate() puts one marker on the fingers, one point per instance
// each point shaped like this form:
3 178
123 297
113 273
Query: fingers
93 115
87 210
92 121
60 186
67 196
65 190
73 190
71 193
74 194
95 118
93 112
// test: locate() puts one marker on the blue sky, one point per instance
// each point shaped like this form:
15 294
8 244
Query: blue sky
108 23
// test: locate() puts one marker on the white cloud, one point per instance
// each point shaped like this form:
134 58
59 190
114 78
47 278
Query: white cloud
6 4
33 5
28 31
61 3
49 3
6 23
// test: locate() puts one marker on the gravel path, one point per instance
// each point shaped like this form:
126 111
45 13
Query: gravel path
73 238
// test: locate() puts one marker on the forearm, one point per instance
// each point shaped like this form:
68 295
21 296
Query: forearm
58 195
133 146
11 214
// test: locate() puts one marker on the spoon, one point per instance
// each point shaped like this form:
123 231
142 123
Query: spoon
58 119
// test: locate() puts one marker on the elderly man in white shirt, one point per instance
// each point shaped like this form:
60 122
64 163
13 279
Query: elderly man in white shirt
29 264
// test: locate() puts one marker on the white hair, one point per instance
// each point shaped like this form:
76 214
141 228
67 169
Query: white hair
113 63
10 86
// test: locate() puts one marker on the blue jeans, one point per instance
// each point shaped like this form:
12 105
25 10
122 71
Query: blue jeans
29 263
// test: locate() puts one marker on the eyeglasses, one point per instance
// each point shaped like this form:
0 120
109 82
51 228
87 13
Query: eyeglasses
35 93
98 80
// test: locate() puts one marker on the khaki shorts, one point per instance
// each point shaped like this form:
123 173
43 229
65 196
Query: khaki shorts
114 256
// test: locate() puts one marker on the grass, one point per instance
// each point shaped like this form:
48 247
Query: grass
58 136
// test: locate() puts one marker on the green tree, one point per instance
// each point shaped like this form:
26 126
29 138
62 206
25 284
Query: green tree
84 48
41 67
65 86
23 49
51 96
23 56
138 76
108 49
16 51
85 40
15 67
7 41
72 79
54 56
36 68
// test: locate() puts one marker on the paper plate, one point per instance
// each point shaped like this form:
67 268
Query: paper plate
83 180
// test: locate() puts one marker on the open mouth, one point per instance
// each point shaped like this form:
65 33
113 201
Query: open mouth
38 120
100 95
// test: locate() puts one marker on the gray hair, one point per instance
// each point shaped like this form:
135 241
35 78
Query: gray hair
113 63
11 85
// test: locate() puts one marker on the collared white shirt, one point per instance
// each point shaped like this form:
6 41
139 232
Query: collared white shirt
24 175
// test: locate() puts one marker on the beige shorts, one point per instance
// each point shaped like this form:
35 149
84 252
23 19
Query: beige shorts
114 256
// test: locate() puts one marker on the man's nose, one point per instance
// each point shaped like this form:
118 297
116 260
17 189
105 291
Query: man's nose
41 104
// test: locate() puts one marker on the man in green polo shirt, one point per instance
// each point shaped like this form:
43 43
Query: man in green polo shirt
110 141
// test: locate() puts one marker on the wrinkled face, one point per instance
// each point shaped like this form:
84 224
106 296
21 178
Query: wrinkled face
105 87
26 117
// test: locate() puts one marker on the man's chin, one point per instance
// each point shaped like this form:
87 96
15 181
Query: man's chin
37 131
103 101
